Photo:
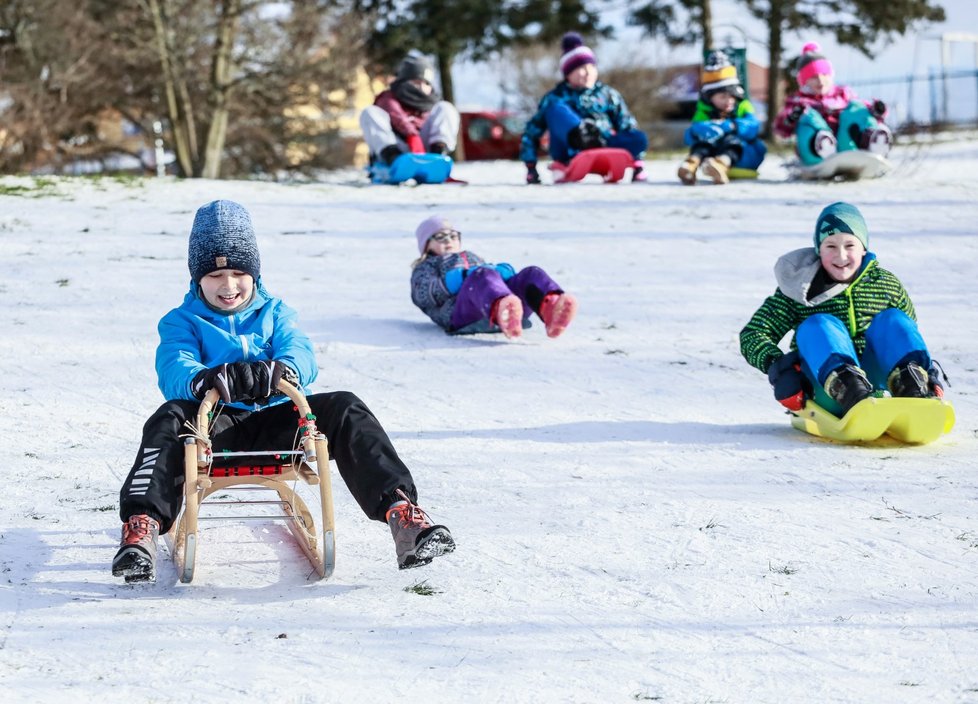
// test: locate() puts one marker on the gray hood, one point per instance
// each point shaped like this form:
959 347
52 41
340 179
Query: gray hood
795 272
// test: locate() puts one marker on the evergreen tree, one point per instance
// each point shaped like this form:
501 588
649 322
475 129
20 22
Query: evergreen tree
476 29
857 23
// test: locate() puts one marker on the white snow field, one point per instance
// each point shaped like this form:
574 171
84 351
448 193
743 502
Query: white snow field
636 520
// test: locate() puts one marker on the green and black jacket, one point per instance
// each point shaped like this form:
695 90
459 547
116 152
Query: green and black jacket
856 304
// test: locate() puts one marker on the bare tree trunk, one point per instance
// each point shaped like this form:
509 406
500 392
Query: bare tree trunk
707 22
774 97
220 88
448 91
445 72
182 137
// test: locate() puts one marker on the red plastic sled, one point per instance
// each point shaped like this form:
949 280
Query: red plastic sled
608 163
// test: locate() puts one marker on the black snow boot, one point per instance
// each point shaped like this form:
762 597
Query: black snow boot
909 381
847 386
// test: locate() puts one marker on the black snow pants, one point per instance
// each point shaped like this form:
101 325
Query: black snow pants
364 455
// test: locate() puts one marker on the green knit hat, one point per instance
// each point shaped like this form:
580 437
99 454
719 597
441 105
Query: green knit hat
841 218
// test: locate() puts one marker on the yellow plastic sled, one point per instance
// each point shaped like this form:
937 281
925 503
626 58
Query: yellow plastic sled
738 173
915 421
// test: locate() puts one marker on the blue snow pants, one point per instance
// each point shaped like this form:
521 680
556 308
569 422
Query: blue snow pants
751 152
824 344
561 120
854 119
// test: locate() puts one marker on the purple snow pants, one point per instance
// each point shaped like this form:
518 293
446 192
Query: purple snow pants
484 285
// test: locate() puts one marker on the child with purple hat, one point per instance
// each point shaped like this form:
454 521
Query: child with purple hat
581 113
463 293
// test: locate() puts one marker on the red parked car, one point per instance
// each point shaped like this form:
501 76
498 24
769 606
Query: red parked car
491 134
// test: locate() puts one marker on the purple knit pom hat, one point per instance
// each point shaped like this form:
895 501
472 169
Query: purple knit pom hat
575 54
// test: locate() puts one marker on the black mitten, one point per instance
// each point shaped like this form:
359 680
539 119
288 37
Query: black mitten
267 375
795 114
234 382
585 136
788 381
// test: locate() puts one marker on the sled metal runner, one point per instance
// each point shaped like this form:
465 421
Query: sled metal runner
273 470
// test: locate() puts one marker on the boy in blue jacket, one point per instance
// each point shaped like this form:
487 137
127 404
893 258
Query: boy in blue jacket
724 131
230 334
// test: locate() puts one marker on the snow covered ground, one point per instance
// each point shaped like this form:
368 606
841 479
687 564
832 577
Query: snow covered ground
636 520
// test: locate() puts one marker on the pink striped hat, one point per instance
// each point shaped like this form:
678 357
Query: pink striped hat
812 63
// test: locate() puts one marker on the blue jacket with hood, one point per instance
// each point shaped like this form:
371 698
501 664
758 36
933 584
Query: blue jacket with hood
195 336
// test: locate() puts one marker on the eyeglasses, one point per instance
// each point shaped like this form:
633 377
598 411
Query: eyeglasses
446 236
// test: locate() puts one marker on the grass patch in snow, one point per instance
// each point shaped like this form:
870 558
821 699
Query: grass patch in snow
422 588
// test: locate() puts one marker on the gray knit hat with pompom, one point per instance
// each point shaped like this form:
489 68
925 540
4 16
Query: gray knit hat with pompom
223 238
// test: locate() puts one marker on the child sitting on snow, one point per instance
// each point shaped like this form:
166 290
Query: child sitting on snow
827 118
463 293
230 334
409 116
581 113
855 327
724 132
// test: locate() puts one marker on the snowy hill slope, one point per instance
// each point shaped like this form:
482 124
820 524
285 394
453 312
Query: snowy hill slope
636 520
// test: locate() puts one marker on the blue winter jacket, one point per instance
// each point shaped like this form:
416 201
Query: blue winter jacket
602 104
194 337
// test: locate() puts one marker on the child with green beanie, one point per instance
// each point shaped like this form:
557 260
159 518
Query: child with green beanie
855 326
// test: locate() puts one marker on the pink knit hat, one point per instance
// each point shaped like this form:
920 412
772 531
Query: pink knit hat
429 227
812 63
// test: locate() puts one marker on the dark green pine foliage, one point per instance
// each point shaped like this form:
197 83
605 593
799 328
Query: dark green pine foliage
475 29
875 290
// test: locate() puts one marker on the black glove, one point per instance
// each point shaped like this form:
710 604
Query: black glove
585 135
532 175
878 108
234 382
788 381
795 114
267 375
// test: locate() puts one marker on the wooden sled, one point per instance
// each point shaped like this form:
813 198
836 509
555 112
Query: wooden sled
914 421
850 165
274 470
608 163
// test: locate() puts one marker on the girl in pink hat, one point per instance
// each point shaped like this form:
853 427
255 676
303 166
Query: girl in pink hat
463 293
826 118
